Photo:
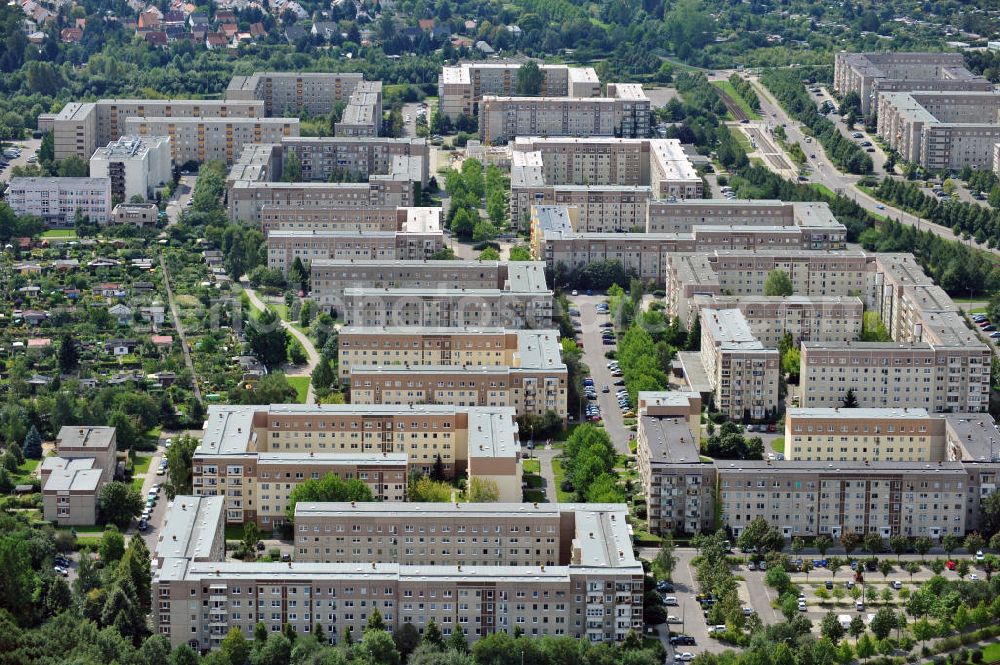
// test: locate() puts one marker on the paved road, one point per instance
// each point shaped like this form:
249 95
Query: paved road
185 347
545 456
181 195
410 126
825 173
593 357
311 354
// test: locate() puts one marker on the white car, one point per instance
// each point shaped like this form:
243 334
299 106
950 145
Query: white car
685 656
974 577
672 619
897 585
670 600
575 293
979 553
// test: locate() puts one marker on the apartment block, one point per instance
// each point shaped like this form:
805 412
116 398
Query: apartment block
291 93
935 361
974 440
256 455
863 435
337 172
594 591
284 246
435 294
624 112
193 530
57 200
535 381
85 461
805 499
819 319
461 88
557 240
350 218
612 181
742 373
201 139
136 166
363 113
80 127
941 130
679 487
872 74
743 273
815 219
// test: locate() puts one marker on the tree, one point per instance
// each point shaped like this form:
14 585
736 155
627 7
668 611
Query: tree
912 567
922 545
69 357
251 534
179 465
922 630
885 567
937 566
483 490
330 487
962 568
865 648
267 338
666 559
760 537
850 540
73 166
377 648
407 639
32 447
950 543
831 628
235 647
857 626
990 515
489 254
823 543
882 623
778 579
432 635
899 544
291 170
112 547
529 79
375 621
850 400
519 253
974 543
119 503
778 283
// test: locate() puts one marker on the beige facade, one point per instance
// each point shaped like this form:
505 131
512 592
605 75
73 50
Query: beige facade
804 499
863 435
136 214
255 456
743 374
820 319
283 247
594 592
743 273
72 481
57 200
461 88
556 238
79 128
202 139
941 130
291 93
532 379
334 218
679 487
871 74
624 112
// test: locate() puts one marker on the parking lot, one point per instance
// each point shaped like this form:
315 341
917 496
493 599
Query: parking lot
18 153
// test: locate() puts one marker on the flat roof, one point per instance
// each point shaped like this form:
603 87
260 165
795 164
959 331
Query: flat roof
85 436
74 480
298 458
493 433
859 413
366 509
420 331
190 527
552 218
694 371
977 434
603 538
670 440
730 329
526 276
539 349
881 468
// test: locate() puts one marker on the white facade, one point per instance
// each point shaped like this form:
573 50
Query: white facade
56 200
136 165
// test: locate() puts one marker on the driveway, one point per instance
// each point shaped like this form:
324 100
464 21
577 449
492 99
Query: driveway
181 195
593 356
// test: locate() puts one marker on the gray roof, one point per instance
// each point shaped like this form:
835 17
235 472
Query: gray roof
85 436
190 527
670 440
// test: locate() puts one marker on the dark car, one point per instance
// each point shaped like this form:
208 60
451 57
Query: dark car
668 587
682 640
260 545
143 525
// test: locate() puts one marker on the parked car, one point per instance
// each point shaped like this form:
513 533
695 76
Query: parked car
670 601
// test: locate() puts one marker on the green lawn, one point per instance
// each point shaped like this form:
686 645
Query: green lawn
140 464
824 190
531 466
534 496
727 87
991 652
557 471
59 233
778 445
137 483
234 532
741 139
280 309
301 385
533 481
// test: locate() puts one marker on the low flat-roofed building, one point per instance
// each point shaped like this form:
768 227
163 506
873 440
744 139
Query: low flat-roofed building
136 214
72 481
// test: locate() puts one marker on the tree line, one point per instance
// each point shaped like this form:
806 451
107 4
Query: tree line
786 86
966 219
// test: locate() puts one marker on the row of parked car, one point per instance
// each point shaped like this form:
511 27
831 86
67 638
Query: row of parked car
986 325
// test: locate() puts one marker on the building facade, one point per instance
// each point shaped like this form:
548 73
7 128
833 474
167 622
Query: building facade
136 166
461 88
743 373
57 200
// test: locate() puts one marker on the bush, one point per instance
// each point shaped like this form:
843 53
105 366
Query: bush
977 655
